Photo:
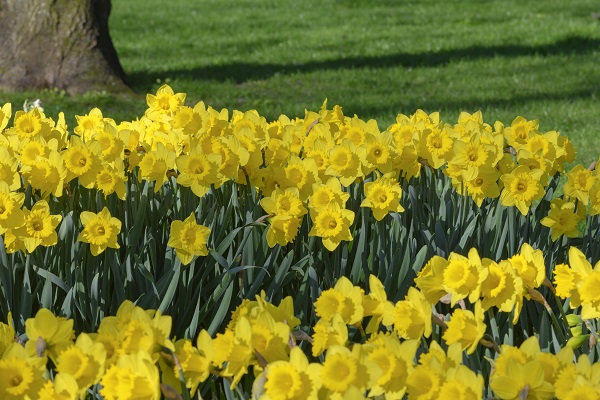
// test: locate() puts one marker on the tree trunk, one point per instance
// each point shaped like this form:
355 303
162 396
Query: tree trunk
61 44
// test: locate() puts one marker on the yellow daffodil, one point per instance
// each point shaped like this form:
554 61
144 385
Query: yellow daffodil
412 317
282 229
520 378
111 179
28 124
383 196
520 130
99 230
579 182
56 333
395 360
20 375
9 174
466 327
440 360
89 124
277 152
332 224
348 372
5 114
344 163
502 287
83 161
302 174
154 165
39 227
233 155
430 279
329 333
377 153
233 349
461 383
529 265
463 276
595 199
198 170
376 305
344 299
269 337
7 334
483 185
521 187
84 362
134 329
133 376
578 281
11 215
195 362
423 383
566 281
356 130
64 387
46 174
472 155
563 219
295 379
164 102
111 143
324 195
284 203
188 238
435 146
578 381
320 154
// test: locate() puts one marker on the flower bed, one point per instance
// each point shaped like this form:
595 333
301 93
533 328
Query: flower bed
472 241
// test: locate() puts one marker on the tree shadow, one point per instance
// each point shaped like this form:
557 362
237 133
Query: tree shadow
242 72
471 105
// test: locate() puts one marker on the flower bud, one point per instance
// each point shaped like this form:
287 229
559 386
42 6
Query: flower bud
574 319
576 330
577 341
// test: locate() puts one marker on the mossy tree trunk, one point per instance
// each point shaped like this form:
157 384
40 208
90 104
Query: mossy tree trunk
61 44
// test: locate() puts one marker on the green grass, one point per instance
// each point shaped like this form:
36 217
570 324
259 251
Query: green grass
375 58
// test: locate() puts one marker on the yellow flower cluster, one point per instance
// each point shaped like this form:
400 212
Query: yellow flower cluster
527 372
502 285
131 355
309 161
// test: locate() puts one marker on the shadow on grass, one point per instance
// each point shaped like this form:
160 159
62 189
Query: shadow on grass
243 72
470 105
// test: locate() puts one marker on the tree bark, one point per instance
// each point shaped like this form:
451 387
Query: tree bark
61 44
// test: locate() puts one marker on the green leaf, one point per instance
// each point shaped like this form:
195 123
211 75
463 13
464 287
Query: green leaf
46 298
280 274
53 278
167 296
466 235
223 309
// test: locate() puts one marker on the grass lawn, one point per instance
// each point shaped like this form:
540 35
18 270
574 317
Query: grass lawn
375 58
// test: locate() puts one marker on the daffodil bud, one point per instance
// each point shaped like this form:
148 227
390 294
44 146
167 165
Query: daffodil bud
537 296
573 319
576 330
576 341
486 343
